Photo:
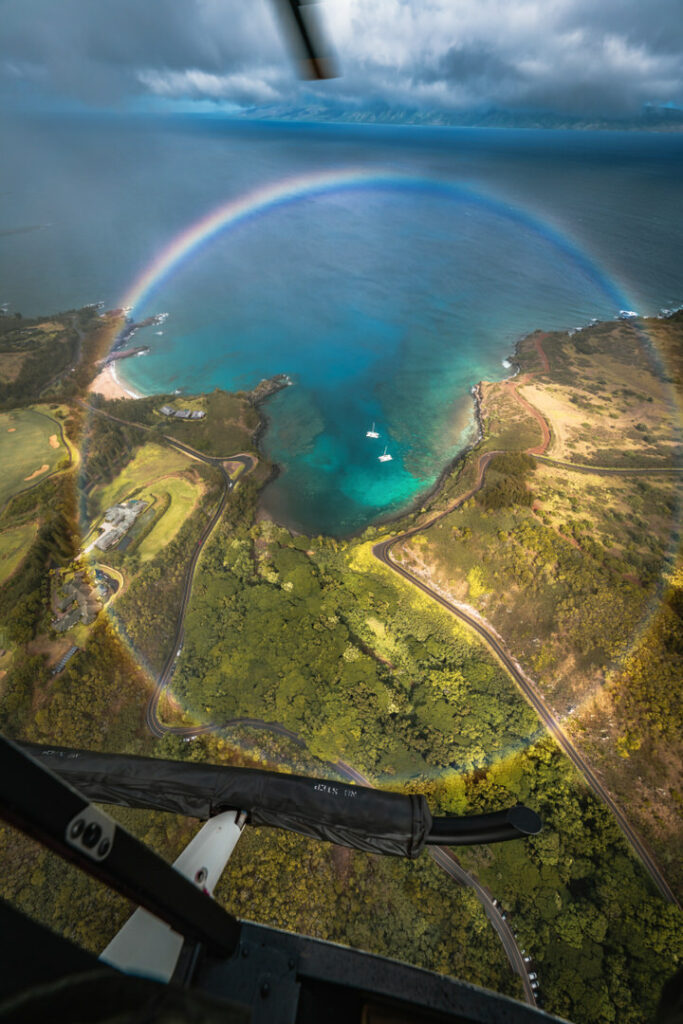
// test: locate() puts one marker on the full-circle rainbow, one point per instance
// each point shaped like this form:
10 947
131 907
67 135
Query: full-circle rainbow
267 197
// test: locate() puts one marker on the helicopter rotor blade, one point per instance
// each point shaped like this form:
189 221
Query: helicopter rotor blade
302 25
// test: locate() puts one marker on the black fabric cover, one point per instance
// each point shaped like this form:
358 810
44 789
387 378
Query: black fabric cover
365 819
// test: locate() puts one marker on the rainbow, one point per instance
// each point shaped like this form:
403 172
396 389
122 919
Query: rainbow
268 197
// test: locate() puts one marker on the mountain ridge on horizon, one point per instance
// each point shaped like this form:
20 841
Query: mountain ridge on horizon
652 118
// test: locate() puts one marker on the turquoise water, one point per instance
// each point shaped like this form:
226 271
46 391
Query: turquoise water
383 304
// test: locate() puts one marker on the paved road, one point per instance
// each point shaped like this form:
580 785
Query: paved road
382 551
448 862
442 858
151 713
612 470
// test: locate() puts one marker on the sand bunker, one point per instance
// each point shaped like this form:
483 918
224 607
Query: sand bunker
54 441
37 472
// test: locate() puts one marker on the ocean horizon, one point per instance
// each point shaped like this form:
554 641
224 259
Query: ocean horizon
385 270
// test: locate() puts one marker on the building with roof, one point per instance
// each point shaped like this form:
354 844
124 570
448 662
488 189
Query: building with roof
118 520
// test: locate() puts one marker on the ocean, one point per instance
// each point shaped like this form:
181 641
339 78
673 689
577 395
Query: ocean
386 270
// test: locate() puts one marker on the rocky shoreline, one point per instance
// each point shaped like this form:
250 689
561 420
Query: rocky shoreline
267 387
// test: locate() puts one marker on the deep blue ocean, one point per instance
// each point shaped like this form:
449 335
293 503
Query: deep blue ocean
383 305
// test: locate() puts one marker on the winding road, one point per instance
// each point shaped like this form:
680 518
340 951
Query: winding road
248 462
382 551
442 857
448 862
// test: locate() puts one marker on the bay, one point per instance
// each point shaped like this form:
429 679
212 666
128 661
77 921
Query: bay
384 302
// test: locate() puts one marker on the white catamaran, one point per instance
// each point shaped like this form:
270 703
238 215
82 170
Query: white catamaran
384 457
371 433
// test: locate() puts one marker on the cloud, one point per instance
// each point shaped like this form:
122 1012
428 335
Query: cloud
572 56
240 88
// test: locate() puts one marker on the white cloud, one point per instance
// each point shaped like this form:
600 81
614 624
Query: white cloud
570 55
193 83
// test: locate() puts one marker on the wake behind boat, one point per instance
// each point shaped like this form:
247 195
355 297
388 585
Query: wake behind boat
372 432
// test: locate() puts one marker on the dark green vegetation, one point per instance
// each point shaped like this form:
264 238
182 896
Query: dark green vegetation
315 634
581 584
50 358
317 639
98 701
229 427
407 911
602 942
506 482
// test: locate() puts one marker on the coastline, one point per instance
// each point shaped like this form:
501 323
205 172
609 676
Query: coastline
449 468
108 384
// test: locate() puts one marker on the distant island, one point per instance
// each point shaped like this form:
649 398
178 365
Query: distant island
652 117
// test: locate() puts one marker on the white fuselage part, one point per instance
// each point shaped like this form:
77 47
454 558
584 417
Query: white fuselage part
145 945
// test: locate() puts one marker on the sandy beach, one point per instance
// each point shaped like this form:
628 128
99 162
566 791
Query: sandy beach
108 385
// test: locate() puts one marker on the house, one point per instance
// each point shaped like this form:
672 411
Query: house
182 414
117 522
67 621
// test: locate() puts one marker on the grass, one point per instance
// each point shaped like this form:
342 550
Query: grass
13 546
11 363
183 500
507 425
151 464
25 450
607 398
573 585
227 429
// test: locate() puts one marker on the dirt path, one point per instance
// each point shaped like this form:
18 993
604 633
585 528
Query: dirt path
541 352
512 385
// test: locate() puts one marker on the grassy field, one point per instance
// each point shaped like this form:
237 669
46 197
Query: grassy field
13 545
151 463
227 429
609 399
574 570
183 499
507 424
30 448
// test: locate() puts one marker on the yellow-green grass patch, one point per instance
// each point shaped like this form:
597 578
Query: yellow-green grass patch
150 464
25 449
234 469
14 543
228 427
183 500
508 426
10 365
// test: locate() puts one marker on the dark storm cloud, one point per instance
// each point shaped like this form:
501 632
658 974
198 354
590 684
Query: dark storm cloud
476 63
98 51
574 56
657 25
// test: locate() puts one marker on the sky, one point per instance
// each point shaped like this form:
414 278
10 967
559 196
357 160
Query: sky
569 57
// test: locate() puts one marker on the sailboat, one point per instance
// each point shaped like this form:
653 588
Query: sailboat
371 433
384 457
